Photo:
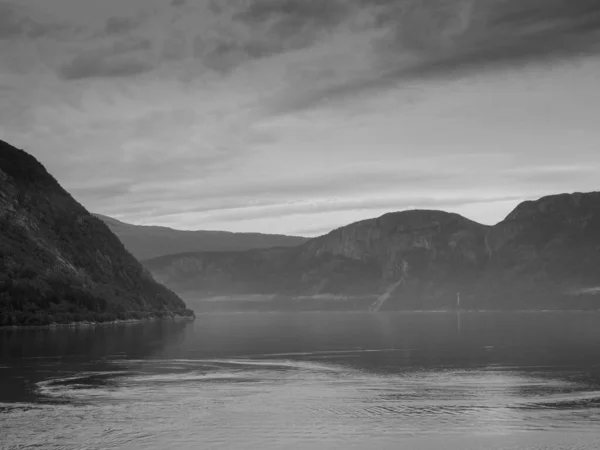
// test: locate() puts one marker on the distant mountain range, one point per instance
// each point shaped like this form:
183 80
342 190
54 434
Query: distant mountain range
146 242
544 255
59 263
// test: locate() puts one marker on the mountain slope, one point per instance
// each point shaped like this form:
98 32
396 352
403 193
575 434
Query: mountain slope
60 263
145 242
545 254
421 254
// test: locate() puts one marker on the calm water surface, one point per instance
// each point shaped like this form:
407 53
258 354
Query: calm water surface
315 380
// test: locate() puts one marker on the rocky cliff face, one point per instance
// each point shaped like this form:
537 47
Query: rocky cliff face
60 263
146 242
414 259
545 254
410 260
409 243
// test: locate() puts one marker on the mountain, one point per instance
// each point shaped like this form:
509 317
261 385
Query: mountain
59 263
396 254
547 253
544 255
146 242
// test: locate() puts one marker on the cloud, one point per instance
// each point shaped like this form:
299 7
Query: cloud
310 219
124 58
118 25
418 40
175 46
245 32
256 109
10 23
553 177
15 23
367 204
88 67
349 188
98 191
339 180
495 30
289 16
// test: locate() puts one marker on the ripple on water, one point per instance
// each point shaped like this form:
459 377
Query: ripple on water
244 402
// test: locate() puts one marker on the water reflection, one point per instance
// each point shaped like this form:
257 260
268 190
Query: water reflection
324 380
28 356
142 339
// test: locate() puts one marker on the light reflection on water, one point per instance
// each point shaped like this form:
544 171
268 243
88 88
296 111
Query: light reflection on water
507 381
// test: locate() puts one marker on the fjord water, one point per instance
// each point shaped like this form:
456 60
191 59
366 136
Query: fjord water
310 380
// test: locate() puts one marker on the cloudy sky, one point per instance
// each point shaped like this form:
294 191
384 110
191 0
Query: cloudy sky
298 116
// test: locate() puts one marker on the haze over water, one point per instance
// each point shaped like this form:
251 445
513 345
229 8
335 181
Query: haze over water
315 380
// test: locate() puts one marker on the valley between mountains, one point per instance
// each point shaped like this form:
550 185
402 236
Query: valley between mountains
544 255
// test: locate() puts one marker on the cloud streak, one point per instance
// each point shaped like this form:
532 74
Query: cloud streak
421 40
388 204
15 24
124 58
120 25
290 115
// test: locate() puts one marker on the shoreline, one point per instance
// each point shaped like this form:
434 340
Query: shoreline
91 324
422 311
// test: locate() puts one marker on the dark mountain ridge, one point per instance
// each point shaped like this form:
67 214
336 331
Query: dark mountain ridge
59 263
544 255
549 251
146 242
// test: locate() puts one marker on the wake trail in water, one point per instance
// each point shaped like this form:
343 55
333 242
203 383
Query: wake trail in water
249 362
328 352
